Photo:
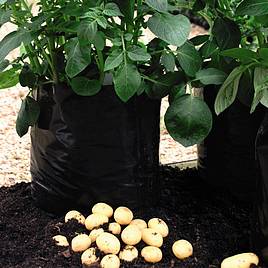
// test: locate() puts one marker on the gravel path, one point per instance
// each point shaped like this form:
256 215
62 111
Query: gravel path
15 151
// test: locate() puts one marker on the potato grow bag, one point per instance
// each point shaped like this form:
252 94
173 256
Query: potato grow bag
226 158
91 149
260 227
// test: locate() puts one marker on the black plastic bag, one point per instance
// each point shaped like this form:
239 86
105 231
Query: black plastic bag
260 219
226 158
91 149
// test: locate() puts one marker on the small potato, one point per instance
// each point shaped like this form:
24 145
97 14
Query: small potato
243 260
73 214
141 224
80 243
95 233
114 228
89 257
103 208
129 253
159 225
131 235
95 220
123 215
182 249
152 238
61 241
108 243
152 254
110 261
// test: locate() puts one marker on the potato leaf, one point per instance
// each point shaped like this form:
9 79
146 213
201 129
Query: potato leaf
27 116
127 81
252 7
228 90
83 86
188 120
211 76
174 29
189 59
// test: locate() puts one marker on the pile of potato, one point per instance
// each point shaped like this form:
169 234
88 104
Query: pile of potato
130 231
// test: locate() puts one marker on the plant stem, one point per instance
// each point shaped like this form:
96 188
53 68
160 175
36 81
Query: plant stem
124 48
138 22
260 36
101 65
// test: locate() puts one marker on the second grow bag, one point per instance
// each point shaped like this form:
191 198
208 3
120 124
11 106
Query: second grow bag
226 158
94 149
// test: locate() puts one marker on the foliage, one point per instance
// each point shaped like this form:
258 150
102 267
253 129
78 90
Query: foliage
80 42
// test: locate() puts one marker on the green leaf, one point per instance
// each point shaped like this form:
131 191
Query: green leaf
199 39
27 116
27 77
252 7
242 54
260 85
127 81
159 5
102 22
174 29
78 57
208 49
114 60
3 65
228 90
211 76
5 16
263 53
112 10
9 78
163 85
127 7
188 120
12 41
168 60
82 86
87 31
176 92
136 53
99 40
227 33
189 59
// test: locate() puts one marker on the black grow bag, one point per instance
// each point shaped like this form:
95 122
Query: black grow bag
91 149
226 158
260 220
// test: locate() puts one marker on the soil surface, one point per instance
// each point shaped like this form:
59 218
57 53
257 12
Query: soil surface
216 225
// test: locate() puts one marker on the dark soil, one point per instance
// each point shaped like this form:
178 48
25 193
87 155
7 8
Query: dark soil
216 225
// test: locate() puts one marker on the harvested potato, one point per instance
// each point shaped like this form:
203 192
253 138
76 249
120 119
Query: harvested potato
61 241
95 233
89 257
73 214
114 228
108 243
103 208
123 215
152 238
131 235
182 249
129 253
152 254
141 224
95 221
80 243
159 225
243 260
110 261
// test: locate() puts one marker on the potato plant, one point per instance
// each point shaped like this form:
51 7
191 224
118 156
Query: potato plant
85 43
